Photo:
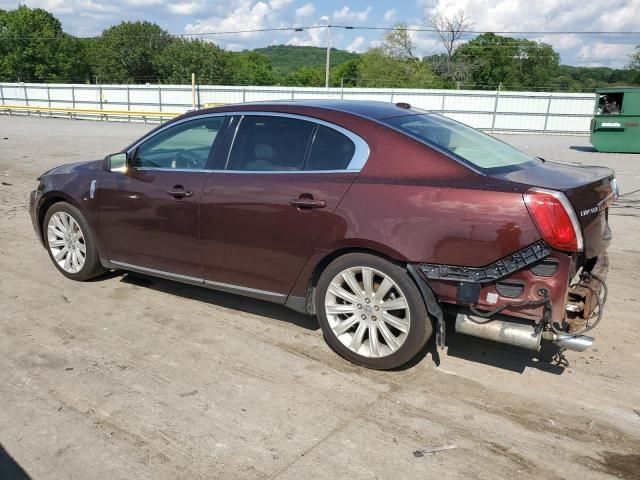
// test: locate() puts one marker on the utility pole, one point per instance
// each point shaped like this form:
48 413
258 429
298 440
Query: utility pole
328 66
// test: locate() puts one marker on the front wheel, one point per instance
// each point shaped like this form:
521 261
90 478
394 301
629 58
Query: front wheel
70 242
371 312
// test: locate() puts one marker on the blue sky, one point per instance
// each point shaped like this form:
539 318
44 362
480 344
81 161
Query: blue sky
90 17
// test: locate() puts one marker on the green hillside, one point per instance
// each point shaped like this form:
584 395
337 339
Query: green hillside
289 58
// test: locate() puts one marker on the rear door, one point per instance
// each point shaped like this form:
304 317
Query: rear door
149 214
272 197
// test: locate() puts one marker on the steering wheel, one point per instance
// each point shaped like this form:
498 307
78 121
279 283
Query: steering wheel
191 159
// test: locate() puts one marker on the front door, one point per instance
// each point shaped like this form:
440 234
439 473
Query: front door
265 208
149 215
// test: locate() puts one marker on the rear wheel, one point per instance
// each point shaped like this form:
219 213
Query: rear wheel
70 242
371 312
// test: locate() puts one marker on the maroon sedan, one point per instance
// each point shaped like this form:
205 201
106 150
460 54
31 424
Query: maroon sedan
373 216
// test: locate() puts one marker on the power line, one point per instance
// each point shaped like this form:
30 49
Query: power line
345 27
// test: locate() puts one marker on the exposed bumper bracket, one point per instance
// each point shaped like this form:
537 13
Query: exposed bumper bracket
495 271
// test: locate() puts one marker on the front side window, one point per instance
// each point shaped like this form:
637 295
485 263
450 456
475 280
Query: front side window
468 144
183 146
270 143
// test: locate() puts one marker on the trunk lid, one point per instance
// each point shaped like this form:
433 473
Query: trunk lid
589 189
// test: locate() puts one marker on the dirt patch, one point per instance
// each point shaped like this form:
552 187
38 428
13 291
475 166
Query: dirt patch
620 465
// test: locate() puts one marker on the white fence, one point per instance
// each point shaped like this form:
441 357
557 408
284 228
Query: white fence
531 112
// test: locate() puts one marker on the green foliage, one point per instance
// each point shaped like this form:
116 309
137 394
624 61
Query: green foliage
180 58
306 77
252 68
33 48
346 74
126 53
289 58
516 63
634 66
377 69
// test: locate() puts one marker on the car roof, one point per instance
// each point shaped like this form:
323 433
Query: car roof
374 110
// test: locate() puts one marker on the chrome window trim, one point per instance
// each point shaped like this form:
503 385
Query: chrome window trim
357 163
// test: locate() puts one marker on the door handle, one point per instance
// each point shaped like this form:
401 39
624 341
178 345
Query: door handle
179 192
307 203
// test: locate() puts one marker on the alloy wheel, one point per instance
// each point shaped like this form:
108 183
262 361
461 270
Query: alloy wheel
367 311
66 242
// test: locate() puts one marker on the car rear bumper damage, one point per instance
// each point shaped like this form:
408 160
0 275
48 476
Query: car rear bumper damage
560 310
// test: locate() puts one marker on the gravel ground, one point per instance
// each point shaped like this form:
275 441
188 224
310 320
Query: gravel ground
132 377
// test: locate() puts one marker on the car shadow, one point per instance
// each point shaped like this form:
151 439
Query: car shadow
583 148
501 355
9 468
222 299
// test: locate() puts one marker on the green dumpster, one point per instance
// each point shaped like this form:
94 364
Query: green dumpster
615 126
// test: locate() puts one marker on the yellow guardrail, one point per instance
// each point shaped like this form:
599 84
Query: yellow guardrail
87 111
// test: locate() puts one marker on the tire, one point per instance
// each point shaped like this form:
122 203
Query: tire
66 235
349 317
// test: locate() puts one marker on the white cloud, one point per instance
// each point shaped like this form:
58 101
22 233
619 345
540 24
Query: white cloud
602 52
243 15
316 37
306 10
553 15
186 8
358 45
347 15
390 16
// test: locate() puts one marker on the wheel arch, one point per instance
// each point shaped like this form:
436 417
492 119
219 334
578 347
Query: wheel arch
51 199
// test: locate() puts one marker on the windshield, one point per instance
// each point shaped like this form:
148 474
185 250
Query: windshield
468 144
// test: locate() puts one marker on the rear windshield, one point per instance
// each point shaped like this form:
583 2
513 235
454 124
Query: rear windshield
468 144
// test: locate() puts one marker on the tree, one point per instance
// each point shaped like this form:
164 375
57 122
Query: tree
125 53
396 64
306 77
33 48
634 66
398 45
377 69
346 74
450 31
180 58
513 62
252 68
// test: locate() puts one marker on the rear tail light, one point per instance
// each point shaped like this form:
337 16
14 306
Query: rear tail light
555 218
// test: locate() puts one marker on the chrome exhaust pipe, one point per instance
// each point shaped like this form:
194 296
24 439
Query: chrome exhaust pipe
576 343
500 328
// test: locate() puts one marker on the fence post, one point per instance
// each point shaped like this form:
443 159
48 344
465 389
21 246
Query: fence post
26 98
444 97
244 94
128 104
100 95
198 95
293 93
495 109
73 101
1 94
546 117
160 101
49 100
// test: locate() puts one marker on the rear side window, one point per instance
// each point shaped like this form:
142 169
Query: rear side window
270 143
331 150
468 144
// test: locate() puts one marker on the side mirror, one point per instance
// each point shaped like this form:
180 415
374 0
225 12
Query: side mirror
117 162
